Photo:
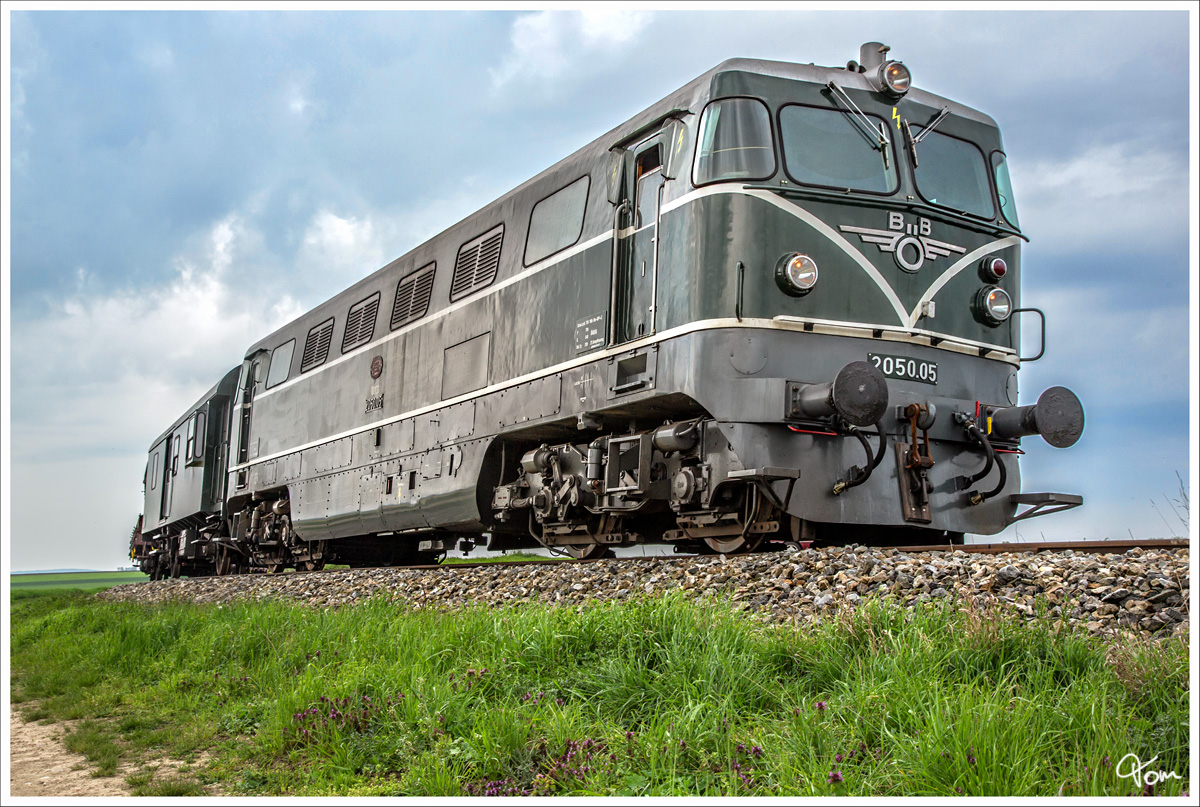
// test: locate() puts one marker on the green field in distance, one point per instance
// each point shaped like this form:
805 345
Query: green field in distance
82 581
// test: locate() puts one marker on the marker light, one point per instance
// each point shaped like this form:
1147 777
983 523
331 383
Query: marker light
796 274
895 78
994 268
995 304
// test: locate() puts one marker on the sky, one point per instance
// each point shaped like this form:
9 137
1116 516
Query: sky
181 183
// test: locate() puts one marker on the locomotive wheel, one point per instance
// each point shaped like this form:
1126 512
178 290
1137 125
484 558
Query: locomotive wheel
224 564
584 551
175 567
734 544
275 568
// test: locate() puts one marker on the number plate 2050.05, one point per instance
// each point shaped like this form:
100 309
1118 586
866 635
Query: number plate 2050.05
907 369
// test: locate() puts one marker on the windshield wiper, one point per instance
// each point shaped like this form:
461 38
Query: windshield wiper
913 141
876 137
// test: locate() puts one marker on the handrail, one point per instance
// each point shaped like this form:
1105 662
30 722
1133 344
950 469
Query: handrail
612 299
1042 317
654 276
741 280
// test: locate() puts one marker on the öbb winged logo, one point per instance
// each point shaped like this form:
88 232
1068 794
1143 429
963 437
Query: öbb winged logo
910 244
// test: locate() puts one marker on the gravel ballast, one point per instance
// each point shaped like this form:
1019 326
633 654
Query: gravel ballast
1141 591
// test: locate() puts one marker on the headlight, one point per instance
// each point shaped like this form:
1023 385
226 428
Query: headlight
895 78
796 274
995 304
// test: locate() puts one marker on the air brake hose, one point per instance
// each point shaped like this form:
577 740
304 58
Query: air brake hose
883 442
999 485
973 431
975 497
859 475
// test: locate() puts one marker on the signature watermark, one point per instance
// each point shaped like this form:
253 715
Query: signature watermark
1130 767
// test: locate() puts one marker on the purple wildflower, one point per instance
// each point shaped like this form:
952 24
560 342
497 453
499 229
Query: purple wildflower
822 706
835 777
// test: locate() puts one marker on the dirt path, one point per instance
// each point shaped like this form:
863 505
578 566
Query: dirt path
40 765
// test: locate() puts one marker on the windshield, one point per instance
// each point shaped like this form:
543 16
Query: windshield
824 147
953 173
1004 188
735 142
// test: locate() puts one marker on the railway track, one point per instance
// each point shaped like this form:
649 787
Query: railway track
1091 547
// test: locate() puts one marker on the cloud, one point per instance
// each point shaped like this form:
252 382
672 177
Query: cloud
158 56
119 367
27 60
550 50
1114 355
1118 195
337 251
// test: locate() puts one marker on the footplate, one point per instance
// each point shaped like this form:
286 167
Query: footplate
1041 504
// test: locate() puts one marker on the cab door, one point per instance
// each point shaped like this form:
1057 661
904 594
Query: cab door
170 470
247 449
637 275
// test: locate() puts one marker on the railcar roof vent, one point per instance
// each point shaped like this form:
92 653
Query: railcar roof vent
316 346
360 323
412 296
477 263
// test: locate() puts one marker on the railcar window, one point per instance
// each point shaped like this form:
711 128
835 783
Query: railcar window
316 346
281 363
412 296
196 436
154 471
175 457
360 323
649 180
952 173
190 450
1004 188
477 263
735 142
825 147
557 221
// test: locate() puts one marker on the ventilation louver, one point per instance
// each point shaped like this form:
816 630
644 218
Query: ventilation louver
316 346
360 323
477 263
412 296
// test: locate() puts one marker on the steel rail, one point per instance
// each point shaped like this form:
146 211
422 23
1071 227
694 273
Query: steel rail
1091 547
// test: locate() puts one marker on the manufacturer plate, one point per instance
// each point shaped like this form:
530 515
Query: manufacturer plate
591 333
905 368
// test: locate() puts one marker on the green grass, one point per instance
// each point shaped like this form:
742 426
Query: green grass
94 741
77 581
652 697
175 786
500 558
